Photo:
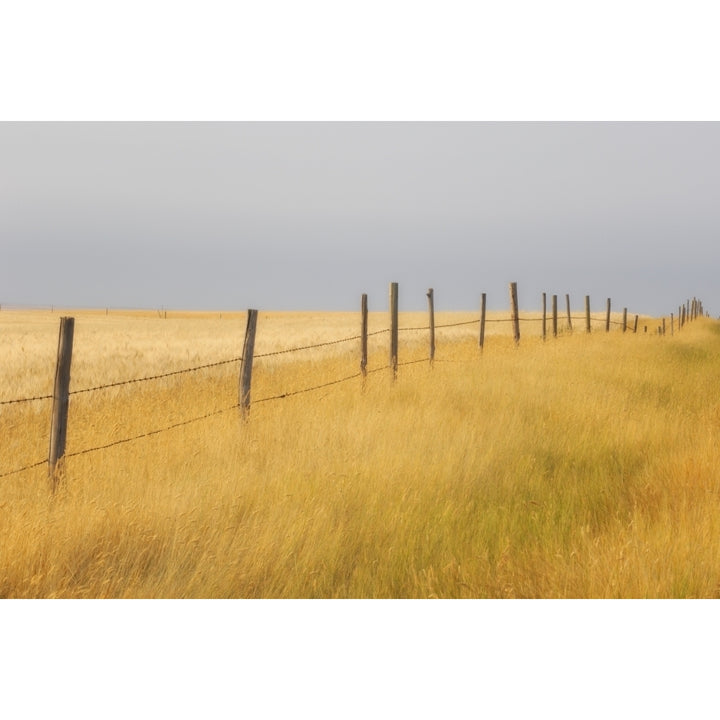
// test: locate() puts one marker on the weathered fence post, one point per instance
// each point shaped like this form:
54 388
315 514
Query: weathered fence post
672 325
567 305
554 314
394 327
61 398
587 313
624 319
607 317
431 310
483 299
663 326
514 312
637 317
247 362
544 316
363 334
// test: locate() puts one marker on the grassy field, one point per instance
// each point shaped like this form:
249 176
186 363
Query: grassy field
584 466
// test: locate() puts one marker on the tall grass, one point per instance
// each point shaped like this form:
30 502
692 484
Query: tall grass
579 467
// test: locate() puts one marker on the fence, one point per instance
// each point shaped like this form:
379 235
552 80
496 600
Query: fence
62 393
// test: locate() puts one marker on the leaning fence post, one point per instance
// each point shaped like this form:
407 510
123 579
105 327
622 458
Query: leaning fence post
247 362
363 334
587 313
394 327
483 299
61 397
514 312
431 310
637 317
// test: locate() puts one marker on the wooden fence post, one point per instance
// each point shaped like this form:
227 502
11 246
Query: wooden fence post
394 327
624 319
554 314
663 327
587 313
567 304
431 310
483 299
514 312
544 316
363 334
637 317
247 362
607 317
61 398
672 324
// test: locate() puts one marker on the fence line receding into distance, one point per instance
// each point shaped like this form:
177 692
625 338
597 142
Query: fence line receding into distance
62 393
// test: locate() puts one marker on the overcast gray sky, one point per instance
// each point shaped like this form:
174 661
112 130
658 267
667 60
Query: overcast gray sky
310 215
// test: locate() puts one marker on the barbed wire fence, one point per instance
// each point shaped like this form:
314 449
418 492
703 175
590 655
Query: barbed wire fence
686 312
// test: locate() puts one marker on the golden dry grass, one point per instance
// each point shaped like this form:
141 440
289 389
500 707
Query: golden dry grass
579 467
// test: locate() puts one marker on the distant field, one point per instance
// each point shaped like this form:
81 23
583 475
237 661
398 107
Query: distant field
584 466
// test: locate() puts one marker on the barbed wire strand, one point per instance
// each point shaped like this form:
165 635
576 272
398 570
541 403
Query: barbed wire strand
24 400
153 432
305 390
309 347
155 377
23 469
457 324
414 362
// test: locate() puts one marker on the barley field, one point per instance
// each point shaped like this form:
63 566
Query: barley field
584 466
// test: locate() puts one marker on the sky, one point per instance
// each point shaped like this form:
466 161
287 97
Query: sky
310 215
